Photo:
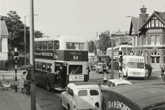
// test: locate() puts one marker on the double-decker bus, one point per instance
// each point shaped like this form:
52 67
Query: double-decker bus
51 53
126 50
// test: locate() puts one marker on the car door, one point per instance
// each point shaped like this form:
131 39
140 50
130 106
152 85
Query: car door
95 98
83 99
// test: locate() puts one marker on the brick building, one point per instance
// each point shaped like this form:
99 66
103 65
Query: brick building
148 37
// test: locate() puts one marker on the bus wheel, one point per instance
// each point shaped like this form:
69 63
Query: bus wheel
48 85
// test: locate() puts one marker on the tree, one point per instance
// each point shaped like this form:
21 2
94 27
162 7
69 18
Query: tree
38 34
91 46
104 42
16 30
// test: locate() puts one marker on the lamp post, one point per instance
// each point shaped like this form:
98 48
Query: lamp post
25 38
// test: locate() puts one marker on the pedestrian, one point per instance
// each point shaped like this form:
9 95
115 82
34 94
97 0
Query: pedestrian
62 74
162 69
22 81
88 71
6 65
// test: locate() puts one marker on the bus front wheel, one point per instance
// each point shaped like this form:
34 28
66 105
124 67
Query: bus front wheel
48 85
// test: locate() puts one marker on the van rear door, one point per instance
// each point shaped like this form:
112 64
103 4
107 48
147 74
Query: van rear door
82 99
95 98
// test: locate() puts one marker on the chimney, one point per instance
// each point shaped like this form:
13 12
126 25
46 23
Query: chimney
143 14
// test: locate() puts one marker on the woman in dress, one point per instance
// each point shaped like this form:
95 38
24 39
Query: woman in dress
22 81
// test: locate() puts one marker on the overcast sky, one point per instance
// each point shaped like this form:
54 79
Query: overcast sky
81 17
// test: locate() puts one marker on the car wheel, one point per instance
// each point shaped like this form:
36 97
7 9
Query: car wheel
48 85
68 107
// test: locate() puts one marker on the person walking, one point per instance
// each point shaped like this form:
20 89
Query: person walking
22 81
88 71
162 69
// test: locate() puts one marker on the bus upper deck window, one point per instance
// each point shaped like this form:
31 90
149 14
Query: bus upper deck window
35 44
50 44
56 45
40 45
45 44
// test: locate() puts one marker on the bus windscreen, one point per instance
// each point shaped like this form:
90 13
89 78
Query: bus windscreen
75 69
135 65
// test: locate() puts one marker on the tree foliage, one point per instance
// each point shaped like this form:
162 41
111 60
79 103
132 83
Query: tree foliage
91 46
104 41
38 34
16 31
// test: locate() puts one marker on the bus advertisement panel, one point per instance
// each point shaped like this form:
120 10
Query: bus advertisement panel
68 52
133 66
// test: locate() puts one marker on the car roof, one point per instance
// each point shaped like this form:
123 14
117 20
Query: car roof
82 85
142 95
120 81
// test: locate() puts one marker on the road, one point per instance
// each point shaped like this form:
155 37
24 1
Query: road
50 100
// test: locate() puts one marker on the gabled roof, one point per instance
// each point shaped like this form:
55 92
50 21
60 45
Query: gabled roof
135 25
159 15
3 29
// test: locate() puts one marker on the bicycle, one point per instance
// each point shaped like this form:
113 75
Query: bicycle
27 87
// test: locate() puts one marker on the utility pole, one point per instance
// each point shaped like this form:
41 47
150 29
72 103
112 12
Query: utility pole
112 73
33 88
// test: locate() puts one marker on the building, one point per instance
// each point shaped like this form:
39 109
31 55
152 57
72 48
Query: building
4 35
148 37
119 37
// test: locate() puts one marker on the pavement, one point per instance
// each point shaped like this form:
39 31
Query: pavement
11 100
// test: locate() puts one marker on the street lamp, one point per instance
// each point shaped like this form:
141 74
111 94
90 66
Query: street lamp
25 38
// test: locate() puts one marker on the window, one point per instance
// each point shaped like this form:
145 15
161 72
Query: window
40 45
157 40
39 66
152 23
70 91
152 40
82 93
50 44
49 67
76 46
56 44
45 44
94 92
35 45
75 69
156 23
44 66
157 59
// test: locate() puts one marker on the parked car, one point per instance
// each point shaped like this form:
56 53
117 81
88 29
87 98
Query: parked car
99 67
114 82
81 96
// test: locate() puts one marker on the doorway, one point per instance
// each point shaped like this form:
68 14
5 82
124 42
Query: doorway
155 60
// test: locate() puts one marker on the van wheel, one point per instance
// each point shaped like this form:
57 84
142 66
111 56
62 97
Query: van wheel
68 107
48 85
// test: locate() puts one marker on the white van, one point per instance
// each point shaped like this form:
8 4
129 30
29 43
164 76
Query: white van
133 66
82 96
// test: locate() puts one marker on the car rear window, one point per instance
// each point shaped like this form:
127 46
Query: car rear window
94 92
82 93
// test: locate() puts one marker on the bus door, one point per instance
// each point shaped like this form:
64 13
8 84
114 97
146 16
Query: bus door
57 76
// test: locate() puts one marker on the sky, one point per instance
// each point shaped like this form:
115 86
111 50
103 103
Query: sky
84 18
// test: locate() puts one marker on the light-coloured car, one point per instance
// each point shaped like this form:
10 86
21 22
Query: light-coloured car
114 82
81 96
